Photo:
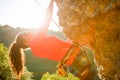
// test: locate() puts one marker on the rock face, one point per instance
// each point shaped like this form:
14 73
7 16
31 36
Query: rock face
95 23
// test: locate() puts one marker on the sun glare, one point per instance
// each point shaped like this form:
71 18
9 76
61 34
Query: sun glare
25 13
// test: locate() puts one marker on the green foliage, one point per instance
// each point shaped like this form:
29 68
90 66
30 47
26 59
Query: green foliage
56 76
5 70
27 75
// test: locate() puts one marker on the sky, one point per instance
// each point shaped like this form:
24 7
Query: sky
25 13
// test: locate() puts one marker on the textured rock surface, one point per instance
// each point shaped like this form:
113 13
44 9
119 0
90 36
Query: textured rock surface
95 23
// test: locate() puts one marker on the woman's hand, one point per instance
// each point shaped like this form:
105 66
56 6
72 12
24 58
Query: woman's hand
49 12
50 8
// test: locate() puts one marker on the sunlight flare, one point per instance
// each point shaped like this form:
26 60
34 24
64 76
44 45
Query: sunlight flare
25 13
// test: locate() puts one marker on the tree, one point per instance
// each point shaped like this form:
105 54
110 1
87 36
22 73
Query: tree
55 76
5 71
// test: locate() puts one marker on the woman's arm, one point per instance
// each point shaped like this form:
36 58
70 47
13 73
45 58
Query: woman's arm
40 36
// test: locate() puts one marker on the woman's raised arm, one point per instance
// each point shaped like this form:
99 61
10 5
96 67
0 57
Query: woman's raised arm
40 36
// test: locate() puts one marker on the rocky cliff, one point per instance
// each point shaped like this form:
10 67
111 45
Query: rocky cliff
94 23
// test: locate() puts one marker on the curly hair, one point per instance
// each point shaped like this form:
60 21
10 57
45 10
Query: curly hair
16 55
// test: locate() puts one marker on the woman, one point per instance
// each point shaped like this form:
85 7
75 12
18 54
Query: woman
16 55
43 46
